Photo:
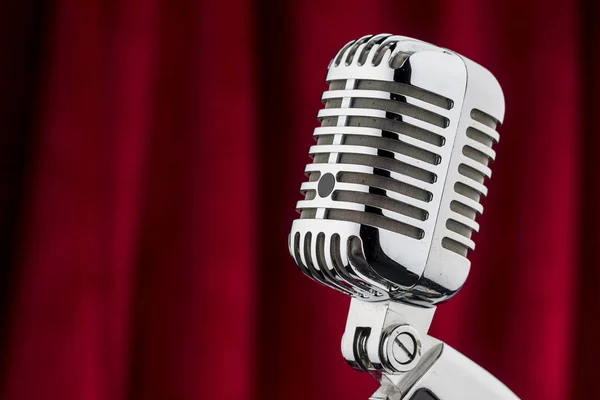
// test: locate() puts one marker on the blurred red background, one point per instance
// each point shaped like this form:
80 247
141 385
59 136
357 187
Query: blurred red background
152 154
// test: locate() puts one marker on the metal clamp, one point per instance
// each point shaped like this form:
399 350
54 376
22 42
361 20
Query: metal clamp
385 336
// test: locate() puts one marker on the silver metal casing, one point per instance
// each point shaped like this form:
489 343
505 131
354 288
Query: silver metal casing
398 171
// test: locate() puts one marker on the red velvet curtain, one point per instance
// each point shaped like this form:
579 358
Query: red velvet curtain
152 153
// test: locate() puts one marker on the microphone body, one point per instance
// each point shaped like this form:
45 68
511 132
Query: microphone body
390 203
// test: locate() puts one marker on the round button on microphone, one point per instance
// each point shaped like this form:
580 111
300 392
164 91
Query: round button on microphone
326 184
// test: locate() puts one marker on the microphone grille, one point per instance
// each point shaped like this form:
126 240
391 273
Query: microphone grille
397 170
379 141
381 161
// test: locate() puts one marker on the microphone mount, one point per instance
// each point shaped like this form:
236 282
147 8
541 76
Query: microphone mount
389 340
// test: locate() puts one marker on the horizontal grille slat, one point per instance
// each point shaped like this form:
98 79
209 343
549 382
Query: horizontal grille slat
463 209
466 221
478 187
396 146
386 183
374 132
357 187
484 118
485 130
475 155
467 191
460 239
361 187
468 202
383 202
398 127
454 246
482 148
474 173
406 90
377 113
366 169
376 221
379 94
402 109
479 136
388 164
374 151
456 226
331 204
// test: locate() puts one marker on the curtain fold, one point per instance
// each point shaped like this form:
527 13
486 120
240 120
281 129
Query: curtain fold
153 153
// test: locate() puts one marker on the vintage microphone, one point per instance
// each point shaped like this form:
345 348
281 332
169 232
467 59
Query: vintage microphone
390 204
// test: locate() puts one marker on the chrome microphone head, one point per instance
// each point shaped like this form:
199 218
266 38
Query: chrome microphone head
398 171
